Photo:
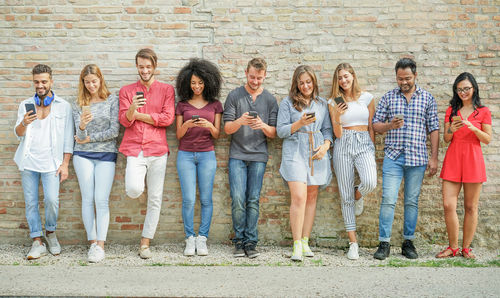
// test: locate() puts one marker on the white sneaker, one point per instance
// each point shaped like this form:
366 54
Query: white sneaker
190 246
201 246
37 250
353 254
306 250
145 252
54 246
358 207
297 251
96 253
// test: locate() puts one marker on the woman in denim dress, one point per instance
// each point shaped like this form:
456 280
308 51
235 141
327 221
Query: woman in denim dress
304 124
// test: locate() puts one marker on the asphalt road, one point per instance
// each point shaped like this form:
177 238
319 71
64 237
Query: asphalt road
224 281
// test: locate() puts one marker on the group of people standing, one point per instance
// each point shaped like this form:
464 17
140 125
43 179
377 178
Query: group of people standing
51 130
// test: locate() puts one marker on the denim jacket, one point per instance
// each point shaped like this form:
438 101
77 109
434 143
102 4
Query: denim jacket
62 135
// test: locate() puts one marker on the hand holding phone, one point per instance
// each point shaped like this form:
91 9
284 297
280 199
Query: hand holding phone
456 118
30 107
86 110
30 115
195 118
339 100
140 98
397 121
399 116
252 114
311 115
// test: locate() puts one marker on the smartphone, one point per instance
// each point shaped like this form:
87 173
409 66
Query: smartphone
399 116
30 107
140 95
456 118
311 115
339 100
195 118
252 114
86 109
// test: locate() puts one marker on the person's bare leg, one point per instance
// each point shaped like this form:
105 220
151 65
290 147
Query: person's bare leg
450 198
472 192
298 194
310 210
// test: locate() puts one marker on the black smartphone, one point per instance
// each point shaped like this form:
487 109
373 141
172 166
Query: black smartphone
252 114
195 118
311 114
339 100
140 95
30 107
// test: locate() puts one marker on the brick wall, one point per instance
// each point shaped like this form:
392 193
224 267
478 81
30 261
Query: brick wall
445 37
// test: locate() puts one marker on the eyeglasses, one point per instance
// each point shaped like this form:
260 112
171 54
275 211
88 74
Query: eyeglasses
464 90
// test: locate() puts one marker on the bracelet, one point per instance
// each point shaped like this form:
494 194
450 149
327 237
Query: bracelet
22 122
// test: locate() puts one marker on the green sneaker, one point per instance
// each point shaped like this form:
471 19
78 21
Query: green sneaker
306 250
297 251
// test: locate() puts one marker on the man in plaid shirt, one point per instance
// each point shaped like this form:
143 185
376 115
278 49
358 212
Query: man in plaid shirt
407 114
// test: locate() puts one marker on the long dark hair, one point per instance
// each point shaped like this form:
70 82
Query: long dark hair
456 103
205 70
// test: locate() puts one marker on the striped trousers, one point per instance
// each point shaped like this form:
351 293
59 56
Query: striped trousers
354 149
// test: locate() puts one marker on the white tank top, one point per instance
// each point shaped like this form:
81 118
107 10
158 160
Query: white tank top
357 112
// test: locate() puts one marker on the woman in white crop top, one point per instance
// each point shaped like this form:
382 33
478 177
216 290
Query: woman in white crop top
351 112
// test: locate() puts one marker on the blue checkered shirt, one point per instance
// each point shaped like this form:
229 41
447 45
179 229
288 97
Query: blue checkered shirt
420 118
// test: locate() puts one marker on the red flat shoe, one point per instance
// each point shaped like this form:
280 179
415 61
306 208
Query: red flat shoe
448 253
467 253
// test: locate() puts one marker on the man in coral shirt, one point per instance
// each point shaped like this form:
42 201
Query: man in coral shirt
145 117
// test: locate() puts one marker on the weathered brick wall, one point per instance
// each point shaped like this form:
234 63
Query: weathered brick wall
445 37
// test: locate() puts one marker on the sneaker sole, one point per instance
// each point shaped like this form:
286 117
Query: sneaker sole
253 256
380 257
32 258
296 259
239 255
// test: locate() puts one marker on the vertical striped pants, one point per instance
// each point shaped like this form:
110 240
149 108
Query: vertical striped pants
354 149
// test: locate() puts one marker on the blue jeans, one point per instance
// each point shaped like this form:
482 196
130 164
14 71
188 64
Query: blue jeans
245 181
192 165
50 184
393 171
95 178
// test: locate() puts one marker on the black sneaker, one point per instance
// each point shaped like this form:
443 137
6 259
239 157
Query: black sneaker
251 251
238 250
383 251
408 249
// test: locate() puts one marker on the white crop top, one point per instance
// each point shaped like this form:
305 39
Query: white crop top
357 112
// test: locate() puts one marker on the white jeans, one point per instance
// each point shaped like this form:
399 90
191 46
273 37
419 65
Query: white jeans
153 169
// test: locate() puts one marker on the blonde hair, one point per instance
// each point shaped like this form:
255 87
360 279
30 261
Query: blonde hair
84 94
337 90
298 101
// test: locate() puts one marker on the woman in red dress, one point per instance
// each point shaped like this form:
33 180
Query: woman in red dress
467 123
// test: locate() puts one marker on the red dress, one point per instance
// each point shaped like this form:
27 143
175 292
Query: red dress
464 160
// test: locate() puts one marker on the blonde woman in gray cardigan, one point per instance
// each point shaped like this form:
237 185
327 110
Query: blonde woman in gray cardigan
95 113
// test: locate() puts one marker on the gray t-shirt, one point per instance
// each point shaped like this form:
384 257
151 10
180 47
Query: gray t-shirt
248 144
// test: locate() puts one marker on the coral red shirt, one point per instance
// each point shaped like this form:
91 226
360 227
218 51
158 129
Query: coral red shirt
140 136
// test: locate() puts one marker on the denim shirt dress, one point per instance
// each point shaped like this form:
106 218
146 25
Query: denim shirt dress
295 156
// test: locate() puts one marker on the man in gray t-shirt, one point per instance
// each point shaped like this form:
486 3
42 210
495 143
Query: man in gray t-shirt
250 114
